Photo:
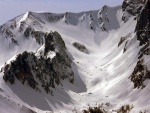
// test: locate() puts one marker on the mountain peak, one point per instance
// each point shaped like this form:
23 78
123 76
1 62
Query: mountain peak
25 16
75 62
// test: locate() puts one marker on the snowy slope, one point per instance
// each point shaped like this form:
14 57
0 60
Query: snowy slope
101 76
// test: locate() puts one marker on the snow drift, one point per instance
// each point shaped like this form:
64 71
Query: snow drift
98 57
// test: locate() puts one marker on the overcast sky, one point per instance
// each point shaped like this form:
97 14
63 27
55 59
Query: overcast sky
12 8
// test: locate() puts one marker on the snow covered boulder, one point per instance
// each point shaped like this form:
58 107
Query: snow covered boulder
80 47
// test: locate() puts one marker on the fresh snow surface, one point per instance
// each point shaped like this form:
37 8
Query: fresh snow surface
100 76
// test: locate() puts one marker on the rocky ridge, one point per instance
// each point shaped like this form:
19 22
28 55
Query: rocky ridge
140 9
50 65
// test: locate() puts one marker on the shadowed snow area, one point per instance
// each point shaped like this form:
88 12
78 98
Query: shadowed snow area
101 76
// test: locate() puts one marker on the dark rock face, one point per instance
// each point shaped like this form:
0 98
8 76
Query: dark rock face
51 42
140 9
140 74
38 35
103 18
28 68
28 32
145 50
143 35
141 71
80 47
143 25
121 41
20 69
21 27
125 4
8 33
126 40
133 7
54 17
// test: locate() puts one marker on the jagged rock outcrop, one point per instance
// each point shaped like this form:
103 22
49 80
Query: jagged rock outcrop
6 32
132 8
28 32
141 71
51 43
143 25
38 35
80 47
50 65
54 17
125 39
102 18
29 25
22 25
121 41
140 74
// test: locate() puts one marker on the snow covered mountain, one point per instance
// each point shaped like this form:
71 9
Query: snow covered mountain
67 62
